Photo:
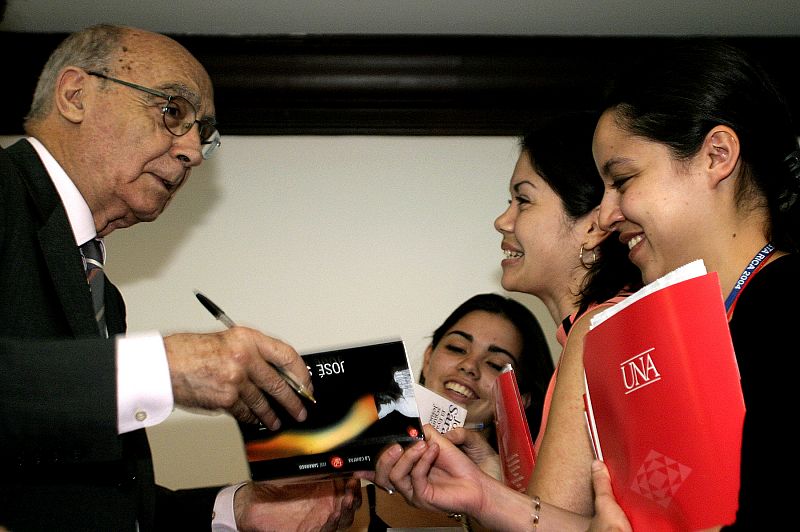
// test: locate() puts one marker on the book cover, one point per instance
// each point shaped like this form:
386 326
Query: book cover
365 401
665 406
514 442
438 411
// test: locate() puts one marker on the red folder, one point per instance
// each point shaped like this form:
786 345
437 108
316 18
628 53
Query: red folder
665 407
514 442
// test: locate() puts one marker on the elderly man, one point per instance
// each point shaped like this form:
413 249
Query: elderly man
119 118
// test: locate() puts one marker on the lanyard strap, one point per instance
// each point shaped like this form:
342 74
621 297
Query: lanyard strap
750 270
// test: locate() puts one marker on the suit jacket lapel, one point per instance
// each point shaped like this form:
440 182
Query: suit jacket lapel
115 309
69 279
55 237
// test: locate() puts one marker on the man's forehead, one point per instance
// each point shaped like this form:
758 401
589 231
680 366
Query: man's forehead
165 65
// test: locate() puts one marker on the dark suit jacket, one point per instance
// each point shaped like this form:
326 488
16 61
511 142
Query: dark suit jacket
62 464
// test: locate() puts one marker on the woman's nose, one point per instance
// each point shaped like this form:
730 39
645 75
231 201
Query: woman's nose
610 214
504 223
469 366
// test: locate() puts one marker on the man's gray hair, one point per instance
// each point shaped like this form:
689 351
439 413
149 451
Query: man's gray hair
90 48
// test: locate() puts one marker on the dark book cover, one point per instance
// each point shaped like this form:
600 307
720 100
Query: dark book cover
365 401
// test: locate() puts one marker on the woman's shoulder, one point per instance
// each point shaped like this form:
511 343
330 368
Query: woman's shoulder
585 315
778 281
781 271
577 325
789 260
580 323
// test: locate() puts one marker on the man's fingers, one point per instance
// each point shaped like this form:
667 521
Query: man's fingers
241 412
284 357
272 387
350 503
258 405
276 354
236 370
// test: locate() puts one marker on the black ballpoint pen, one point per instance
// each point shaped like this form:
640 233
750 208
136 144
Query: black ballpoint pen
290 379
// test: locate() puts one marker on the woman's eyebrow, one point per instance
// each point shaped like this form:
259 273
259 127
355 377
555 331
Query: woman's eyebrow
463 334
610 164
497 349
517 186
492 348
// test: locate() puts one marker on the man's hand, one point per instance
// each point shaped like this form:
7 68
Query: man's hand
324 505
231 370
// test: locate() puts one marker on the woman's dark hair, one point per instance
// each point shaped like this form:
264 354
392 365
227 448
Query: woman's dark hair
676 96
561 153
535 365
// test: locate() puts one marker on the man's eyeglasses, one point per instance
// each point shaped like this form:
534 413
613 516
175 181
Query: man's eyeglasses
179 116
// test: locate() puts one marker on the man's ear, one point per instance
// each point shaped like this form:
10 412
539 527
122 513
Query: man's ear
720 153
70 93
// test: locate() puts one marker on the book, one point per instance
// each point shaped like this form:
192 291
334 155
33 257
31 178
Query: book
365 401
438 411
664 403
514 442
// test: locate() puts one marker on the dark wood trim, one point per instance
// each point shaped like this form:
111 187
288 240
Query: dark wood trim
391 85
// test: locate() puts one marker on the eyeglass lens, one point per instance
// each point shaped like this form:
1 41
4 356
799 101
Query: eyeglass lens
210 145
180 116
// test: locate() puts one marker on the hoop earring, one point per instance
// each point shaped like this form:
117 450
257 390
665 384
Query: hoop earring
586 265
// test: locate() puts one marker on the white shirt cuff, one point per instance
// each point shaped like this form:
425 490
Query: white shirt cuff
144 388
224 519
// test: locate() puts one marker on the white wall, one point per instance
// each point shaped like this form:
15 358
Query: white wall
319 241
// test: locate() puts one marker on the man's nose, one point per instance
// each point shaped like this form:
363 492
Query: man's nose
187 148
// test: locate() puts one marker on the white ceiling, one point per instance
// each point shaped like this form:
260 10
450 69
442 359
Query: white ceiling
476 17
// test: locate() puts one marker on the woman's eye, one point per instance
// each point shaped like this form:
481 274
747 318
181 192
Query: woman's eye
456 349
498 365
620 182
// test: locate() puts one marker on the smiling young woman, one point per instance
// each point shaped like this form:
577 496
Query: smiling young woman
555 250
466 354
700 160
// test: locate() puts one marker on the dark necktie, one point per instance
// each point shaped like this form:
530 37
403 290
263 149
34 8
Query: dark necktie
93 254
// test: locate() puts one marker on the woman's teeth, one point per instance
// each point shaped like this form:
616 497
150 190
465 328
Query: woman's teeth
512 254
458 388
635 240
